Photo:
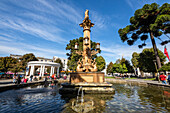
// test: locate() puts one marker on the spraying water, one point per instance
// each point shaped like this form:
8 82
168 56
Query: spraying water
82 94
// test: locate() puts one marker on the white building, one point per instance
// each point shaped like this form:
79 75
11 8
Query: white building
63 60
42 59
32 65
16 56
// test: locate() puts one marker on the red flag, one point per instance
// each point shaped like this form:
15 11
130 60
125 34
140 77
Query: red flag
166 53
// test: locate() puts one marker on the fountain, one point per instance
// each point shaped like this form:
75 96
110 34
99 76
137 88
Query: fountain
82 106
87 75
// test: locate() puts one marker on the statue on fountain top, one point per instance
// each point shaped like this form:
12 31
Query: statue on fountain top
86 14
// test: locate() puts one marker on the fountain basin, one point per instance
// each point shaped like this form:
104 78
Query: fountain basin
88 88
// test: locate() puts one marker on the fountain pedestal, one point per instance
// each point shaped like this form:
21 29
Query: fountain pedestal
89 77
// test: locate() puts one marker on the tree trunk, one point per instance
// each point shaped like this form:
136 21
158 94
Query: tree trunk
155 50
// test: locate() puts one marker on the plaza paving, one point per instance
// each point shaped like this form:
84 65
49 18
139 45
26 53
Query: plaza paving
139 81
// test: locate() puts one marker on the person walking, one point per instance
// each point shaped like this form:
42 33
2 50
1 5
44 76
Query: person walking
162 77
31 78
19 80
25 80
168 78
14 79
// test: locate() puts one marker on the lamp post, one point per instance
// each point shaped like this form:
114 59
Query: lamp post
98 46
86 39
76 46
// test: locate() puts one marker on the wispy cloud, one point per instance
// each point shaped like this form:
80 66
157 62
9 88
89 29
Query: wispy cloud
129 2
34 21
136 4
23 48
117 51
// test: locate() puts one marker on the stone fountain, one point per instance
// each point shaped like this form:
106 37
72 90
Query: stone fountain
87 76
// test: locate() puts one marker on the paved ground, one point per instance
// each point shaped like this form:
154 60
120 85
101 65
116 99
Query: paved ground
138 81
9 82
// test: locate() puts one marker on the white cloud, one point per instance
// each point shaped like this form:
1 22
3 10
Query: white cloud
23 48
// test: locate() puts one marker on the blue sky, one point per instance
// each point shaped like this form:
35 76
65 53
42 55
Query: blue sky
44 27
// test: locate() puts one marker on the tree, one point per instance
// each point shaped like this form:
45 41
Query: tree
146 58
165 67
27 58
149 20
127 64
58 60
16 66
100 63
109 68
122 68
134 59
72 56
129 67
6 63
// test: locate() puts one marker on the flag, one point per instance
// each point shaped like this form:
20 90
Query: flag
166 53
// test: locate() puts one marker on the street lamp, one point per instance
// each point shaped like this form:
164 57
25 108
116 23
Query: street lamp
86 39
76 46
98 46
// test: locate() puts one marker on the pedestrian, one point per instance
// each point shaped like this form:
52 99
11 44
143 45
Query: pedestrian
14 79
168 78
162 77
35 78
19 80
25 80
22 80
31 78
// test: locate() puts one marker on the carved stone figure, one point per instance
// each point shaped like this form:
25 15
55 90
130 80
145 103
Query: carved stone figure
86 14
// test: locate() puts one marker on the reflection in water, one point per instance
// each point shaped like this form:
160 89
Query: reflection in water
127 98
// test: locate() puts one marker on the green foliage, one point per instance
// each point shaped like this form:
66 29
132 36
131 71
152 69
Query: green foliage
16 66
165 67
150 18
72 56
58 60
129 67
144 60
109 68
27 58
6 63
134 59
100 63
121 66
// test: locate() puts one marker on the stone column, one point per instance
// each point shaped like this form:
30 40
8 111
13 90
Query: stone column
30 71
51 71
40 71
43 70
57 71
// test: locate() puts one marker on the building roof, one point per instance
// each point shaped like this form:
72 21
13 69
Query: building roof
43 58
39 63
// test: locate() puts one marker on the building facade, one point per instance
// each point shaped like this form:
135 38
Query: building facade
16 56
63 60
42 59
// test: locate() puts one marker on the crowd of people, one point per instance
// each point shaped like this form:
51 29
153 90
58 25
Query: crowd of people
22 79
19 79
164 78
